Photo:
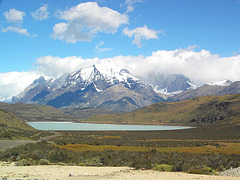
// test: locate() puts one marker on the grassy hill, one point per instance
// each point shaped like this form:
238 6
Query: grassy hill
198 111
12 126
30 112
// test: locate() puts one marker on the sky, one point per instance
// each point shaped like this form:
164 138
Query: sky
197 38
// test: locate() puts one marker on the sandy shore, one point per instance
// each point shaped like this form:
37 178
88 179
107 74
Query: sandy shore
53 172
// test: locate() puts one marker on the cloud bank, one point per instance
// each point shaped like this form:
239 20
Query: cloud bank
12 83
202 67
85 20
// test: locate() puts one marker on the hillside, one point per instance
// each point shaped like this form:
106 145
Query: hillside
29 112
87 112
194 112
12 126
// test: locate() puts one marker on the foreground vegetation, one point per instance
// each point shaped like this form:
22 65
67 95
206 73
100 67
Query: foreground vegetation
213 146
198 150
45 153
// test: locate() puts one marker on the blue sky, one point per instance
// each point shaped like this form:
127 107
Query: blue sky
210 24
32 30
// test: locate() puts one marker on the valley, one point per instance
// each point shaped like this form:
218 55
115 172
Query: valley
210 147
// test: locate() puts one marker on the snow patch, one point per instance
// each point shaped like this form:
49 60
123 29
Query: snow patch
165 92
224 82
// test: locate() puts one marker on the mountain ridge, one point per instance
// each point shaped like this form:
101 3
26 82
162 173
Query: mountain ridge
223 88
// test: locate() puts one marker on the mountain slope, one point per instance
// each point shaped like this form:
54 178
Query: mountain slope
104 85
29 112
216 88
207 110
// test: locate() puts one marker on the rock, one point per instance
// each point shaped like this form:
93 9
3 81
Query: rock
235 172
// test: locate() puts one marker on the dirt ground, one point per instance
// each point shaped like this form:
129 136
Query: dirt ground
53 172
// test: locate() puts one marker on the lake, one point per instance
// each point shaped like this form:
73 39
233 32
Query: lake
68 126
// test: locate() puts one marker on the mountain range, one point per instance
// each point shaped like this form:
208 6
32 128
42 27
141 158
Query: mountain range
108 86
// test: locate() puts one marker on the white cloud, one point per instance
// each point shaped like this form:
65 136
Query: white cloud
61 66
14 16
141 33
41 13
21 31
12 83
99 47
202 67
131 4
85 20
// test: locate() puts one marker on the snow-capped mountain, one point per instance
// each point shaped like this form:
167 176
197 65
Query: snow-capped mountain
225 82
103 85
101 76
170 84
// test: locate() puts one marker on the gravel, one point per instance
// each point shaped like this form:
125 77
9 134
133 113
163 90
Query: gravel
235 172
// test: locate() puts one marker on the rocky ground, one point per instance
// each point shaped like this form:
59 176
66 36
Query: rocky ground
10 172
235 172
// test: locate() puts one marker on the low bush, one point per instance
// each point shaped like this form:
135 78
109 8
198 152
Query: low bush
163 167
93 162
204 170
23 162
44 162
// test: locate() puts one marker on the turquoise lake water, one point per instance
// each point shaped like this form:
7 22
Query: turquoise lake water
99 127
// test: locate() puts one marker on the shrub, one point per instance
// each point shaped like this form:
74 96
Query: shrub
23 162
44 162
204 170
163 167
81 164
93 162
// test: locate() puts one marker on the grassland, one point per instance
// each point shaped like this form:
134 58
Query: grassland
207 151
213 146
195 112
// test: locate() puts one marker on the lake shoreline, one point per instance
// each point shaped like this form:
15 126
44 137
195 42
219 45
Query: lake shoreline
69 126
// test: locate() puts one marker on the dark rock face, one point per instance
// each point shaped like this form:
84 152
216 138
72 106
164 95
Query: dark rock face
105 86
35 93
170 83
